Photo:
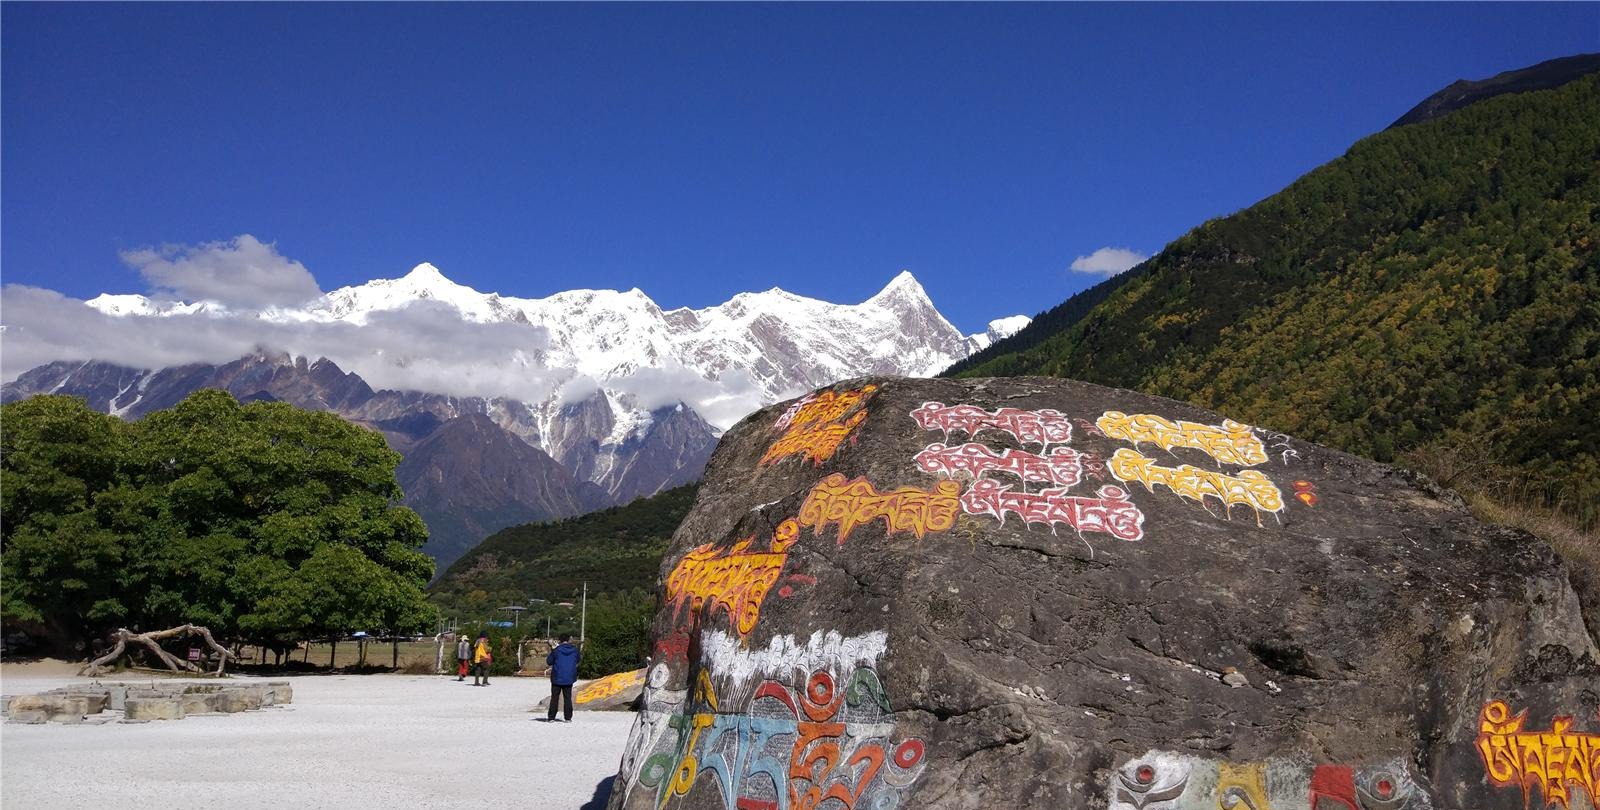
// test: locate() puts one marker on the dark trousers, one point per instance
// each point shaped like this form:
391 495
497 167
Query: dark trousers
557 694
481 673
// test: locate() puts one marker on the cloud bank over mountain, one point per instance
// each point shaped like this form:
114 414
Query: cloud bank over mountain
215 302
424 347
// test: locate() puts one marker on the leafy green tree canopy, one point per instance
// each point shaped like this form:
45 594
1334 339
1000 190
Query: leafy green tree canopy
261 520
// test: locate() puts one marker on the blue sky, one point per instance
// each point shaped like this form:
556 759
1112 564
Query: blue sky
696 151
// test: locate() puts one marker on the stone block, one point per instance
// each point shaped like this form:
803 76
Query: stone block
117 695
230 701
30 717
282 692
57 708
45 703
199 703
71 709
94 702
33 703
154 709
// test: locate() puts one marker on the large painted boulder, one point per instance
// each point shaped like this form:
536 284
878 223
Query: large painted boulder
1041 593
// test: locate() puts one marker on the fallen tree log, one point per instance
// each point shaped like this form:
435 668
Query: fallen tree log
149 639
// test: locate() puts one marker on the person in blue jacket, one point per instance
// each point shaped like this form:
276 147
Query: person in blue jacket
563 663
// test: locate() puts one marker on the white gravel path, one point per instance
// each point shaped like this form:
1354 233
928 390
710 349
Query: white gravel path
346 743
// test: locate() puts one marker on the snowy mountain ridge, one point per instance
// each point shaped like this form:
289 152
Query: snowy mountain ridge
754 349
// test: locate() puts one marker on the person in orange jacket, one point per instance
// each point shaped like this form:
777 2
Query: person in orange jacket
481 659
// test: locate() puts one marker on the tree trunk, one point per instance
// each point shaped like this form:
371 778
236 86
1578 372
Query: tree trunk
149 639
333 649
396 664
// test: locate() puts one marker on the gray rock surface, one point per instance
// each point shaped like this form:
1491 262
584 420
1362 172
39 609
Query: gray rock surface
282 692
137 709
1042 593
52 708
199 703
233 701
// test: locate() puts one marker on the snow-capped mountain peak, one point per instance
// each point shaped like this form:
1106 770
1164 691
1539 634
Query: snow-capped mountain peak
768 344
426 273
1002 328
999 329
135 304
903 286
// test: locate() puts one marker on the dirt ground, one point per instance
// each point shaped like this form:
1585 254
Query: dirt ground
354 742
42 668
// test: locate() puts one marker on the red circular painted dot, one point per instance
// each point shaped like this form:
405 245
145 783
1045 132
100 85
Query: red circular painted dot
1145 774
909 753
820 688
1385 788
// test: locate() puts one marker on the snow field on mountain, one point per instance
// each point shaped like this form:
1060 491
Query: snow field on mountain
724 360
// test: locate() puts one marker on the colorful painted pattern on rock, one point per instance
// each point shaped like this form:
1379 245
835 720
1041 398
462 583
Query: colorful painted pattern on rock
1250 487
736 580
1060 467
1228 443
1558 762
814 427
1044 427
610 686
853 502
1161 780
826 741
1111 513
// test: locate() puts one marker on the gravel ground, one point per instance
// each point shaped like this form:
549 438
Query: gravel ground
346 742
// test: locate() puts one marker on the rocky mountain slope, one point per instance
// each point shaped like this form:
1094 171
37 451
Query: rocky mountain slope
613 423
1460 93
1434 291
1044 593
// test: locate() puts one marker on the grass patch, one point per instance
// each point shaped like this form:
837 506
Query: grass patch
1578 548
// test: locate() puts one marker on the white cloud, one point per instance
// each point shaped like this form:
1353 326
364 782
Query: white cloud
424 347
243 273
721 402
576 390
1108 261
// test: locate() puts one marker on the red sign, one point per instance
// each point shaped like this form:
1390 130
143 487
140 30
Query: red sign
194 653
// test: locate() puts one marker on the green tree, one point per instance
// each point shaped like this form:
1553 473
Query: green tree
59 559
262 521
618 633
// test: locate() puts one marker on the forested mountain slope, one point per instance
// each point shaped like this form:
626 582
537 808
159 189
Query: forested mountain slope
615 550
1435 289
